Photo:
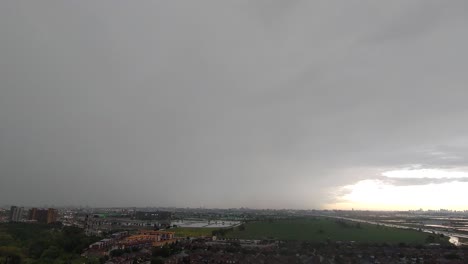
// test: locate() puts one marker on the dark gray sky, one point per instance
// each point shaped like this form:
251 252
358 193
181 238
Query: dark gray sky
227 103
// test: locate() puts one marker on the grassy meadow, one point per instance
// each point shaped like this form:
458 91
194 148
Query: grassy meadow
193 231
323 229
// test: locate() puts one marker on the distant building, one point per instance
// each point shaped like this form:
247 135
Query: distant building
41 216
52 215
160 235
12 213
32 214
16 213
44 216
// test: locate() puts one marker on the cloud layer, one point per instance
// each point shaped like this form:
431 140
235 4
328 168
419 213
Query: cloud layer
267 104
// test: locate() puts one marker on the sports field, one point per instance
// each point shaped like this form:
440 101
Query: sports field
323 229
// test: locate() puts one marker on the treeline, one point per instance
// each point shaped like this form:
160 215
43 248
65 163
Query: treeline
41 244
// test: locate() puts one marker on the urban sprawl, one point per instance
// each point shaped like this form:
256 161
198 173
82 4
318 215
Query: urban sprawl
185 235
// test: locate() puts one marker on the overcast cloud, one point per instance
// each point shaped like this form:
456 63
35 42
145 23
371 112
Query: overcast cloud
268 104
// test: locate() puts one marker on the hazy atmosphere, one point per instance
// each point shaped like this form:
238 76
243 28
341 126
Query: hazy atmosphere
261 104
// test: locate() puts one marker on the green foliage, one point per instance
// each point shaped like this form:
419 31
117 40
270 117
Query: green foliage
51 253
103 260
118 252
37 248
39 243
159 253
440 239
452 256
6 239
222 231
430 239
164 251
233 247
10 254
157 260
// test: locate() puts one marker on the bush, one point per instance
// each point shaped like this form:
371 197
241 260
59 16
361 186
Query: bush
157 260
51 253
117 252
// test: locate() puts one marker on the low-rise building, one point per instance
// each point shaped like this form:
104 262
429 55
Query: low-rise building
147 238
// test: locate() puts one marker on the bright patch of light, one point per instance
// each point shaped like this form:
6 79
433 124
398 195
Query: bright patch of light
404 189
378 195
425 173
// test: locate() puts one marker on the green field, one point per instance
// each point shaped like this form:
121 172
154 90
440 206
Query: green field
322 229
192 231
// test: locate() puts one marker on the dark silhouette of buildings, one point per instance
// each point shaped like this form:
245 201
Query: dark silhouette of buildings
45 216
16 213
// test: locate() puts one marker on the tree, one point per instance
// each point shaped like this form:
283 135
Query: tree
164 251
103 260
52 252
430 239
157 260
13 259
12 254
117 252
37 248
